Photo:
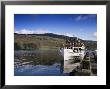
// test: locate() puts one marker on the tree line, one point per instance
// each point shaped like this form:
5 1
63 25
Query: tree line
25 46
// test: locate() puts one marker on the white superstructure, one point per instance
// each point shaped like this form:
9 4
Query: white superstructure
72 49
74 52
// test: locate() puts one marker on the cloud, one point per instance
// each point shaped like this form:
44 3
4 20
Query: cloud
84 17
41 31
95 34
27 31
69 34
80 17
58 33
24 31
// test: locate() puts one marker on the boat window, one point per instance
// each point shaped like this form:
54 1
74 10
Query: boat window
75 50
80 50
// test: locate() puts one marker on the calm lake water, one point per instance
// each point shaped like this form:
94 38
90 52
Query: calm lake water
38 63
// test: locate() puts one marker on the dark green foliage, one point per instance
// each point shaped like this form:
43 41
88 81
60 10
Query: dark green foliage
90 45
30 46
17 46
85 65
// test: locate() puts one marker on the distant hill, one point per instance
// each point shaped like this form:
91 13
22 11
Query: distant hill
46 34
47 40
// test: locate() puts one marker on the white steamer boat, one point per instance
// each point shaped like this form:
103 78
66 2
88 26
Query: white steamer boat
73 50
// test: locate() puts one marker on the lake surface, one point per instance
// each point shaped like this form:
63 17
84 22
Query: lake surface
38 63
41 63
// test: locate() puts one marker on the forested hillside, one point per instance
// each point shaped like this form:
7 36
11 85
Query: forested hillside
45 41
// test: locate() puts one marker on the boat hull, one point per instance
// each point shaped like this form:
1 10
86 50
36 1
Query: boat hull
69 58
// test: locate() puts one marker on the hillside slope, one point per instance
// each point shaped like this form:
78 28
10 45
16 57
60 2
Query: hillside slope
47 40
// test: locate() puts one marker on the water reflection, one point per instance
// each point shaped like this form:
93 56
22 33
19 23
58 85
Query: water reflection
40 62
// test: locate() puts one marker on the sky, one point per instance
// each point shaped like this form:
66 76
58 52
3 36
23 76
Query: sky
83 26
